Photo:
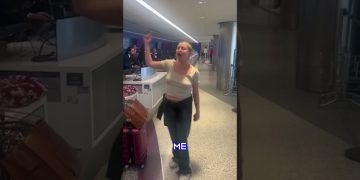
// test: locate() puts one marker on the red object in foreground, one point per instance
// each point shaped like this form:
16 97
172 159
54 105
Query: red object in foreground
134 146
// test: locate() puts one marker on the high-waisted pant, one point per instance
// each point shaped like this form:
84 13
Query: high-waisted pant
177 117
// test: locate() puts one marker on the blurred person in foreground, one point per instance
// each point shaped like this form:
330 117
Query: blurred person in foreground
108 12
105 11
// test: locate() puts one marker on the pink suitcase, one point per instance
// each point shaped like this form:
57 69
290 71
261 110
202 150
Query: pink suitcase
134 146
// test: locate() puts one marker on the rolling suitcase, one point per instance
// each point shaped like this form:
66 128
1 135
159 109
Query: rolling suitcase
134 146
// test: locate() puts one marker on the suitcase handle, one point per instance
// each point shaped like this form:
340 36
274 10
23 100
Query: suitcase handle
128 125
130 144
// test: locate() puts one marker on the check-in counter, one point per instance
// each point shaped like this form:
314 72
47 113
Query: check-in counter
150 90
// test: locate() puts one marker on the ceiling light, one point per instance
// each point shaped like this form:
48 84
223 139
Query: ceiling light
202 17
202 2
165 19
154 37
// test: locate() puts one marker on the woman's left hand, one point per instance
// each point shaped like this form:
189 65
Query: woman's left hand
196 116
147 38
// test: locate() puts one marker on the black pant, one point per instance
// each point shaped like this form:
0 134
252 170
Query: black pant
177 116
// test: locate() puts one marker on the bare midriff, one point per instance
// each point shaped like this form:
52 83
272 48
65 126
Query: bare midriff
172 98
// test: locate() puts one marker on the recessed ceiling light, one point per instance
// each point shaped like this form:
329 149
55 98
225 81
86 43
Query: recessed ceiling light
147 6
202 2
202 17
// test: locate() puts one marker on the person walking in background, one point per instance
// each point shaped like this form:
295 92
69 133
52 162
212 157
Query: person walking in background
205 53
211 54
182 88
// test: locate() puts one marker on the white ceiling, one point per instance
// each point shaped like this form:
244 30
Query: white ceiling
184 13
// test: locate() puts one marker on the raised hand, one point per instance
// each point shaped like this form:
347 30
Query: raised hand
147 38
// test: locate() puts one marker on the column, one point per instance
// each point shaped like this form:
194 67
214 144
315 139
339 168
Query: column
226 55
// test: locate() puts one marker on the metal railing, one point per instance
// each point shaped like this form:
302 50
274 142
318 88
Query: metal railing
347 87
353 84
232 83
347 66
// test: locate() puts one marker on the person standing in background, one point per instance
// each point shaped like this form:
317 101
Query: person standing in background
211 54
154 54
129 61
135 48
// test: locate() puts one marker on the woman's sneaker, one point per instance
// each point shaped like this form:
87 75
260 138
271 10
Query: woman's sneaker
173 164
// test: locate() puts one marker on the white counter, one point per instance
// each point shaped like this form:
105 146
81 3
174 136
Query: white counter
83 97
150 91
156 77
84 100
90 60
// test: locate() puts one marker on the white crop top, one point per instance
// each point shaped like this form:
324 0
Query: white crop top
178 85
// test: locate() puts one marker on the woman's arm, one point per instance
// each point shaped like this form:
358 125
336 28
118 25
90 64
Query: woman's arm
196 97
104 11
148 59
